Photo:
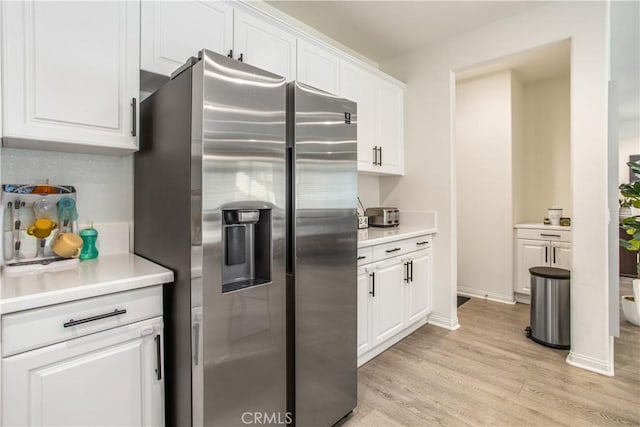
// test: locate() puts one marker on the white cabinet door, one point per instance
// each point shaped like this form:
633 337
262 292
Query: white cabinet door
318 67
531 253
108 378
70 74
388 299
561 255
390 126
264 45
364 311
172 31
356 84
418 287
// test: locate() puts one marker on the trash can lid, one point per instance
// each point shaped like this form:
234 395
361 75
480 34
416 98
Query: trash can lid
550 272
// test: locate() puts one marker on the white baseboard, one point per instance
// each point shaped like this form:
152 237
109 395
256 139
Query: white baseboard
491 296
443 322
590 364
523 298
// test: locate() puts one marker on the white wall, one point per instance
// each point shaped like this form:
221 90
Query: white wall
429 183
518 193
104 183
483 153
547 150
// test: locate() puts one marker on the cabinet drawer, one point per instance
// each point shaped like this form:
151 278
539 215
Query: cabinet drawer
539 234
39 327
417 243
365 255
389 250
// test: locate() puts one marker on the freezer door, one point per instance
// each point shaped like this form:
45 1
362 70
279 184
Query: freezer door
241 146
324 262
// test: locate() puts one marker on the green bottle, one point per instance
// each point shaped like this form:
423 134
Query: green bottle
89 237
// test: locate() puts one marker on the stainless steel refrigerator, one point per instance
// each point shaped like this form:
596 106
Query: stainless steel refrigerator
246 187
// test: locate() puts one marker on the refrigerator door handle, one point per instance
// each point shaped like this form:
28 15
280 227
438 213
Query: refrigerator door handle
196 343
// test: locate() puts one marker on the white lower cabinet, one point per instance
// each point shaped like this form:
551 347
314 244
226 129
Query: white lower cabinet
388 300
365 289
418 289
394 295
111 377
539 248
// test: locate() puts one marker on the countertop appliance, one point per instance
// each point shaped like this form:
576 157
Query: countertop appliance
260 231
383 217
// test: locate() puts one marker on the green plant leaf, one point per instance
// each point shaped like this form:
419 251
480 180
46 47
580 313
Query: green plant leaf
630 245
635 167
630 231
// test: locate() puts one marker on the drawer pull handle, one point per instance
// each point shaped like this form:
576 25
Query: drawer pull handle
421 243
72 322
550 235
361 257
392 250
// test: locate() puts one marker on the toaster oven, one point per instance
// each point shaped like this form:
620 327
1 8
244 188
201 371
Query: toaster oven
383 217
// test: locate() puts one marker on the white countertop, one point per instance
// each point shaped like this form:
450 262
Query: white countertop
540 226
104 275
375 236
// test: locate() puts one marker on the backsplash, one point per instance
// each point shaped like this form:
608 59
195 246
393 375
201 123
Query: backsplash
369 190
104 183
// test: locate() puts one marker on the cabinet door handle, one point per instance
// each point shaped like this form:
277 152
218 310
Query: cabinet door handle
196 343
375 156
406 272
554 255
158 358
546 254
422 243
361 257
411 271
373 284
550 235
380 156
134 116
240 58
392 250
230 54
72 322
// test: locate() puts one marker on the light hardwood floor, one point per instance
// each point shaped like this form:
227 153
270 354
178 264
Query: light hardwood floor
488 373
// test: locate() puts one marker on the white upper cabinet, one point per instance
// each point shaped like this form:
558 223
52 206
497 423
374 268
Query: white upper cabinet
390 126
356 84
173 31
318 67
264 45
71 75
380 118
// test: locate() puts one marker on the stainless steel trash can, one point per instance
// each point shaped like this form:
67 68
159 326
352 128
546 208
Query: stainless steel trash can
550 314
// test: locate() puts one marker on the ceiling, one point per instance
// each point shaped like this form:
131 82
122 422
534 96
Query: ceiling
383 29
